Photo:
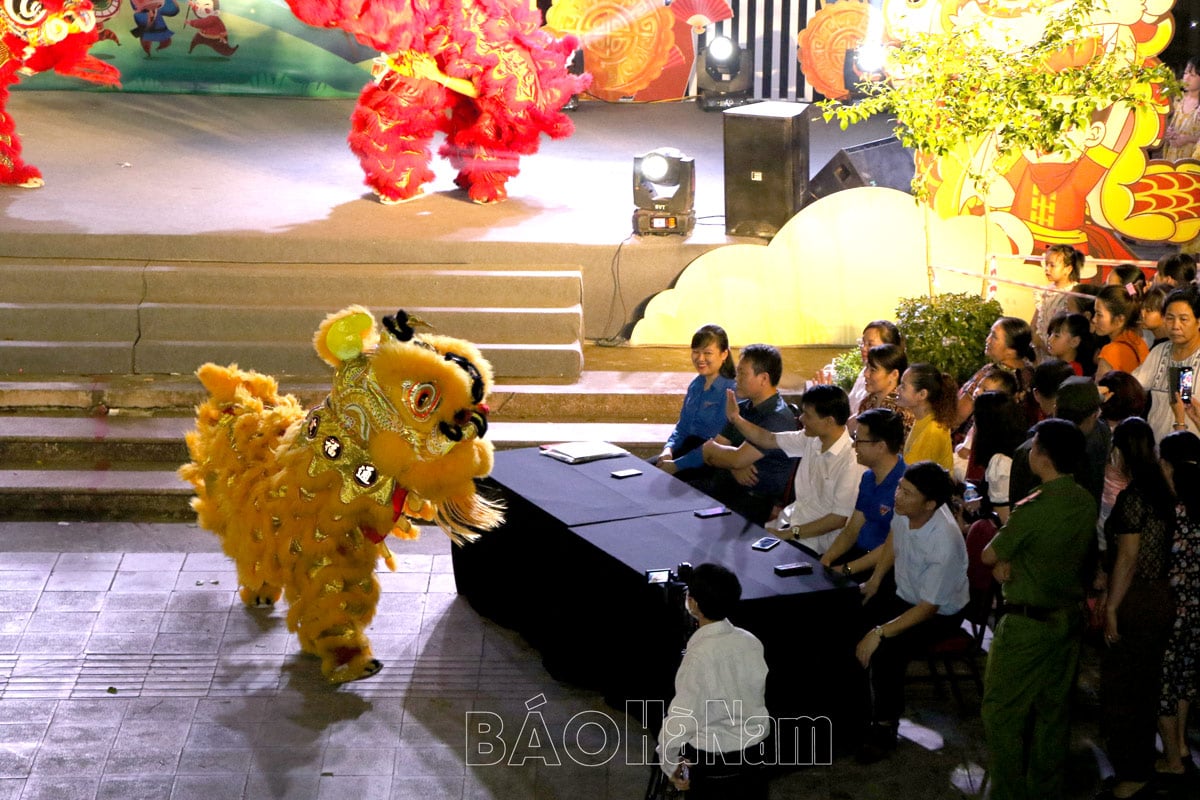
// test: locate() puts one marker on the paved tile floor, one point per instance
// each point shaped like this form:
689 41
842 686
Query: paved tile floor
129 670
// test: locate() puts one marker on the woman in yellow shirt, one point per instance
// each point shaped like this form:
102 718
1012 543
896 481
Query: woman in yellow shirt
932 396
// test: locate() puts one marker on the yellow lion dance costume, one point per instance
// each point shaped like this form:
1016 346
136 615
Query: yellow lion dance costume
303 502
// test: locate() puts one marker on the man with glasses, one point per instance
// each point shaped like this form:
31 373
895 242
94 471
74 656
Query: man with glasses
877 445
828 476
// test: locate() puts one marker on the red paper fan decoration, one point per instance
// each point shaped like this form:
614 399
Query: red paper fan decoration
701 13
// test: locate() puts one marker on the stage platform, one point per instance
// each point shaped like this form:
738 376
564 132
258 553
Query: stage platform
270 180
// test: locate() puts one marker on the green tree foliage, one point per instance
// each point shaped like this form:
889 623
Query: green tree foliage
948 331
948 91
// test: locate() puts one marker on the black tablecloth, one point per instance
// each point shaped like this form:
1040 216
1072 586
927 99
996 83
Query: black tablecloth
578 494
573 583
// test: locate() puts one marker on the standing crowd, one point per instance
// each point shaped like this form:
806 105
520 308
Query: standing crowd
1067 465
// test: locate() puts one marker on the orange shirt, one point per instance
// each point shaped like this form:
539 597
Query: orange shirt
1126 351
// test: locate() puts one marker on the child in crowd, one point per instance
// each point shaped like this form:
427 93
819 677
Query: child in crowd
1175 270
1154 327
930 395
1071 340
1062 264
1082 301
1128 275
1118 313
995 379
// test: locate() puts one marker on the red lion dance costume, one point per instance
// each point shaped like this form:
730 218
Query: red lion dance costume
37 35
480 71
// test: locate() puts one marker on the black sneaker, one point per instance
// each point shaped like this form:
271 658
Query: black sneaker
877 745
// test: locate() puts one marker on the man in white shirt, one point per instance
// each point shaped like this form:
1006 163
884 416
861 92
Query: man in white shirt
718 718
928 554
828 476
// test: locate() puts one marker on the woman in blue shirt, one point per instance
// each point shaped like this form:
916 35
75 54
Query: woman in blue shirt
703 414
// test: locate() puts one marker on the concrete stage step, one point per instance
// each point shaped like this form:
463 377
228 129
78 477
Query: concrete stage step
106 447
124 467
72 317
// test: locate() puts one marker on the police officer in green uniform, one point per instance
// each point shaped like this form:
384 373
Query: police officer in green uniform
1041 556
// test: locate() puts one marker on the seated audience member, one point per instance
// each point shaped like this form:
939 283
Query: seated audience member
1009 347
718 717
1040 556
999 430
703 414
877 332
885 364
1118 316
828 474
1154 327
1071 340
1175 270
745 479
1078 402
877 446
993 379
929 394
928 555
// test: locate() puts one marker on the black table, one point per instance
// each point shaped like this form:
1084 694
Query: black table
568 571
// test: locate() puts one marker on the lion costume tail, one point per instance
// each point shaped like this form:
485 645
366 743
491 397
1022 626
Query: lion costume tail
239 430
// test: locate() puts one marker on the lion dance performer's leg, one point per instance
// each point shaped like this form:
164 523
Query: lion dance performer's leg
521 86
390 132
332 596
13 170
476 148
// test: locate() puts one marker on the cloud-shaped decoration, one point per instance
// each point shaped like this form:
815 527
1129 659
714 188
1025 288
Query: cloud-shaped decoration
839 263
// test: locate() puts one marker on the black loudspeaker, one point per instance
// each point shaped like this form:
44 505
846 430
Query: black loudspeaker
766 166
885 162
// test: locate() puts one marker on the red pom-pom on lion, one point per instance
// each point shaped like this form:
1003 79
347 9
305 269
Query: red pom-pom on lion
480 71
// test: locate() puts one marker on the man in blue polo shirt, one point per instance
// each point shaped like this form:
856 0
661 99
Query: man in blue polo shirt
877 445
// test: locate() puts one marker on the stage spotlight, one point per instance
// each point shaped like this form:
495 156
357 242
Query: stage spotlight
664 192
724 75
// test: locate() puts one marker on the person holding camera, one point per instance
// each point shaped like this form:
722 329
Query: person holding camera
711 738
1168 363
